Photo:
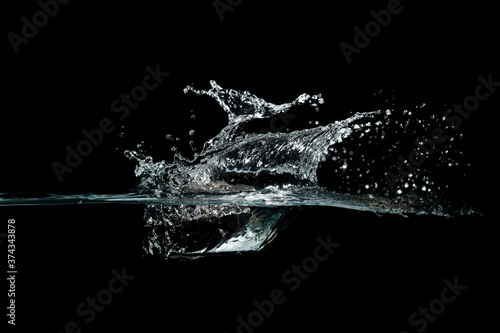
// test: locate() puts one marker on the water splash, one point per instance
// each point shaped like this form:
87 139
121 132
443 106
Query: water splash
242 187
342 164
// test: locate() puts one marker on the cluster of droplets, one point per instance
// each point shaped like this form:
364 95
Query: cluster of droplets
367 160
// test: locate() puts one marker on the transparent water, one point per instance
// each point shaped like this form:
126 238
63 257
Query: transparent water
242 187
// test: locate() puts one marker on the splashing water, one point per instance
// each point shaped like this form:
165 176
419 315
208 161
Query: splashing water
253 177
240 189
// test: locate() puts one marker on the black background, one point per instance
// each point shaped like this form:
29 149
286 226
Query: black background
65 78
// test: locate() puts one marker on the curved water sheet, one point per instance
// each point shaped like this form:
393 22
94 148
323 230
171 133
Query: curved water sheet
236 193
242 187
